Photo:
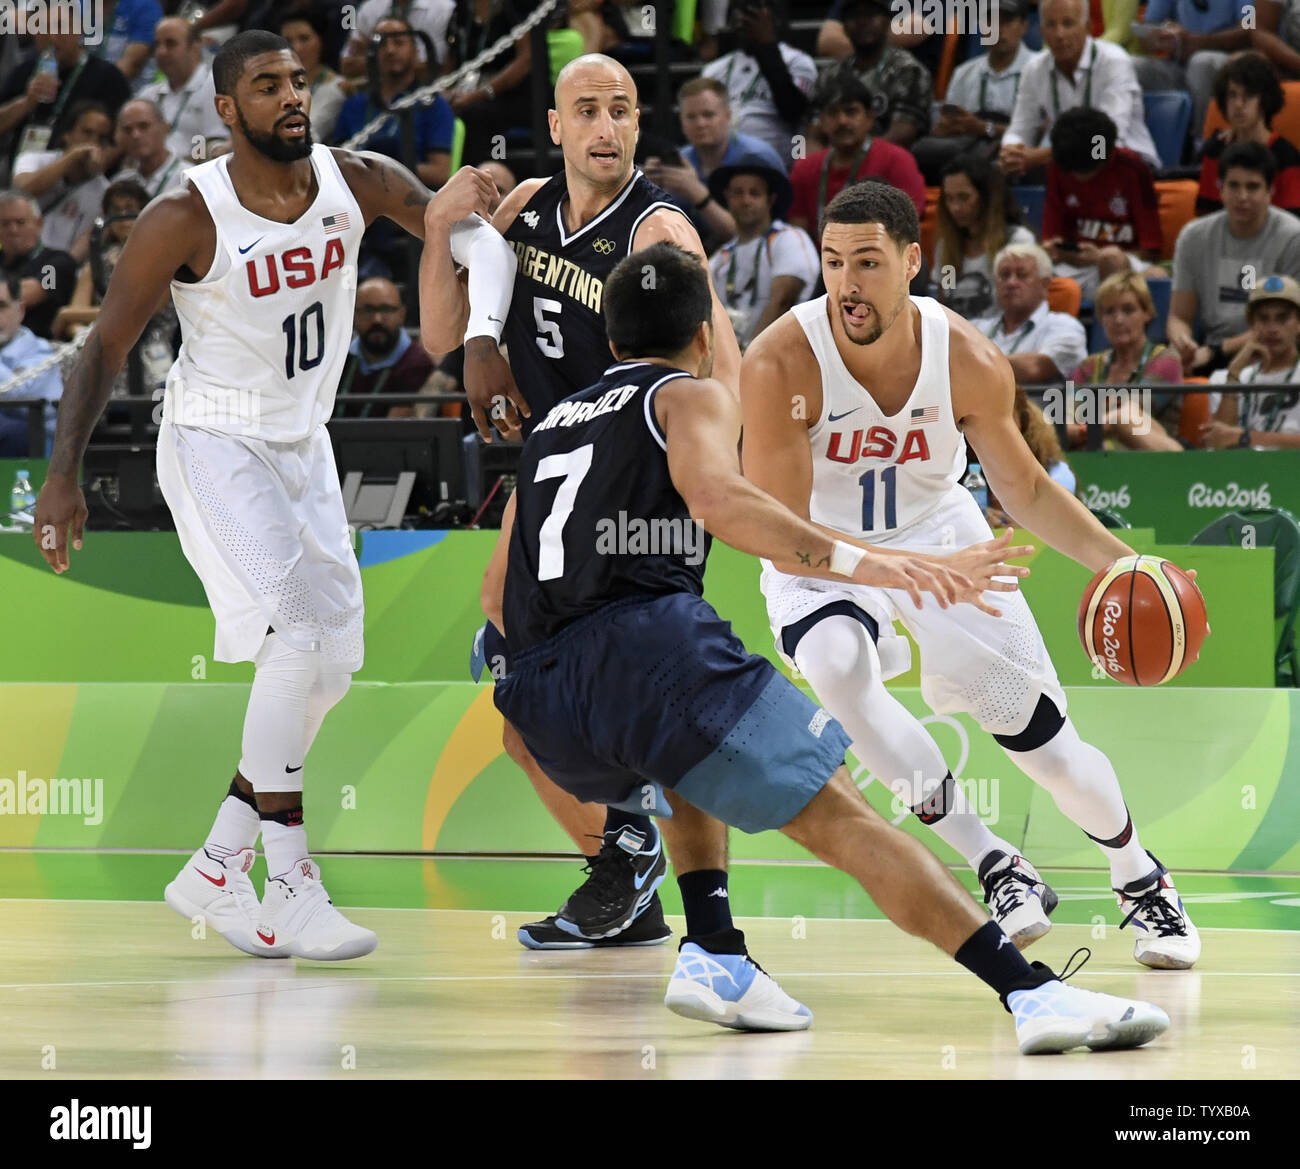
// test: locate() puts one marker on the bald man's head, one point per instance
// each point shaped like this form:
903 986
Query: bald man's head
595 121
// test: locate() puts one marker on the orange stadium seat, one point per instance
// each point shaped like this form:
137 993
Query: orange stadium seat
1177 198
1064 295
930 225
1194 414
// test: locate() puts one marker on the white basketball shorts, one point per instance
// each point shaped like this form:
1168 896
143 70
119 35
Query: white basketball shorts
993 668
262 523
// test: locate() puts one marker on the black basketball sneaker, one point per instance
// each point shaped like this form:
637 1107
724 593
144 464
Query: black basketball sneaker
619 891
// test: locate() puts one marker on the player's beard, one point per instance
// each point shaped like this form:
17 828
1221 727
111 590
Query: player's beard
878 326
274 147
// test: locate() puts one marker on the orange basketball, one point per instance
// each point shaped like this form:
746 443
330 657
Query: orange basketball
1142 620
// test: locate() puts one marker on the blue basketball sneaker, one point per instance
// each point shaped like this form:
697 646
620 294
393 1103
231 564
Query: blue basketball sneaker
620 886
732 990
1055 1016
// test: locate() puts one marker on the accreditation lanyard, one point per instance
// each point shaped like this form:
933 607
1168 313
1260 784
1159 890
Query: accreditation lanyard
751 88
853 176
377 388
1087 89
1015 89
1273 404
752 286
186 94
161 184
1136 375
1020 335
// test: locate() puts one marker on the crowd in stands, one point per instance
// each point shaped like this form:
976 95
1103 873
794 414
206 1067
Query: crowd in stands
1108 190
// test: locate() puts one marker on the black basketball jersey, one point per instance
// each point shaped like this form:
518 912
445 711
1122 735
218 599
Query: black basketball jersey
555 330
597 516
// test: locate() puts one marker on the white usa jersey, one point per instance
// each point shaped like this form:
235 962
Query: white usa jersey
265 333
875 474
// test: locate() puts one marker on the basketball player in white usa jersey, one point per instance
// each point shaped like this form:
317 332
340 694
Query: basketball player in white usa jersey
888 390
260 252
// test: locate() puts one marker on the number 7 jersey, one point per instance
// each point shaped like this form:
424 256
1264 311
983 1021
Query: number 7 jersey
877 474
556 327
266 331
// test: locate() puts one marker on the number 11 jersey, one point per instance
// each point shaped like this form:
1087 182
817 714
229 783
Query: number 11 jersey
556 327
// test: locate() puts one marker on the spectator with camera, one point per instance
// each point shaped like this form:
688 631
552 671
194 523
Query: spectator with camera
431 17
21 349
1263 421
902 81
848 119
768 82
1220 258
69 182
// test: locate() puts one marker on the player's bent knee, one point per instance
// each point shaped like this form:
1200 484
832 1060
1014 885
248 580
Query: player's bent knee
330 689
1045 723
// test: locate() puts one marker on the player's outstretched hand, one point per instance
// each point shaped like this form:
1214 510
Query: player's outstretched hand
59 506
983 563
491 389
467 191
915 575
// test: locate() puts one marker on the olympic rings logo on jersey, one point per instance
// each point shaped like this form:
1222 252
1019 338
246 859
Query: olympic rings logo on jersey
604 246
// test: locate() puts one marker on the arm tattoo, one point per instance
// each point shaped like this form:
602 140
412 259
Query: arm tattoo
804 558
84 397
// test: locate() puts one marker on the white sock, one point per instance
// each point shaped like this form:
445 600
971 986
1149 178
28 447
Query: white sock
1082 781
235 827
839 659
284 845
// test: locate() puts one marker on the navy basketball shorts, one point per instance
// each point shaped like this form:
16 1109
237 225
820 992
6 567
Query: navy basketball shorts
658 690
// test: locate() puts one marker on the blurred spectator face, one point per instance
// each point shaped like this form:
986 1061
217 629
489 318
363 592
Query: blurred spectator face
504 178
396 50
141 133
379 315
1245 196
1011 31
11 312
124 209
303 40
750 202
1064 29
176 56
66 45
90 129
1020 289
1276 324
847 125
1243 109
20 227
865 24
706 120
1124 319
962 200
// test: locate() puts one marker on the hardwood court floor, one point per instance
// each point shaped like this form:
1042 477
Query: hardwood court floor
120 989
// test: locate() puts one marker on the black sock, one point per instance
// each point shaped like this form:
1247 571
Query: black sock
616 820
728 941
706 903
239 794
993 958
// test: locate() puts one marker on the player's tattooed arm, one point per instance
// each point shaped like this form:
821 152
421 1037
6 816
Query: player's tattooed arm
383 186
173 232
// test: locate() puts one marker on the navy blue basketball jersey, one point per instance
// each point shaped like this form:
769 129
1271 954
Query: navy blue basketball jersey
555 330
597 516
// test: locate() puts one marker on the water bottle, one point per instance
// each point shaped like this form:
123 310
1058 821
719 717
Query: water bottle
22 504
48 64
975 484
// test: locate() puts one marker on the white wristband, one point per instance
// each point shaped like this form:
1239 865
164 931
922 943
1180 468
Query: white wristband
845 558
491 261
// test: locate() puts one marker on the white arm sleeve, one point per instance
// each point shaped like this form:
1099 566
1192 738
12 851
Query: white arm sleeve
478 246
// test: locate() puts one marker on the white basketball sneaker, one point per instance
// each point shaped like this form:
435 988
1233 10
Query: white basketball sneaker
732 990
1166 938
1056 1017
221 892
1017 896
298 916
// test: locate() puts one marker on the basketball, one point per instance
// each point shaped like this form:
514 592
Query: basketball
1142 620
